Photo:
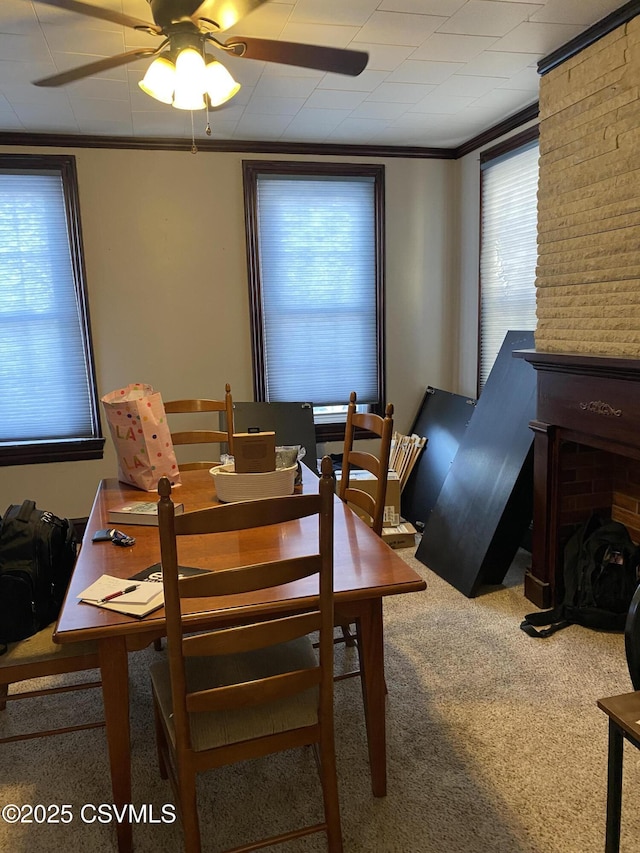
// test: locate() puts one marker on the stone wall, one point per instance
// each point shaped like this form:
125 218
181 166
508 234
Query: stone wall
588 276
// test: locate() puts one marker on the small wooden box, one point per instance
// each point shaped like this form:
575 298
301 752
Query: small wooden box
254 452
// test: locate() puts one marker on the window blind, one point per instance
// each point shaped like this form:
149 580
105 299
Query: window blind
317 255
44 381
508 253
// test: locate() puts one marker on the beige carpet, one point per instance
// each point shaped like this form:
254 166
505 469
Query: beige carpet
495 745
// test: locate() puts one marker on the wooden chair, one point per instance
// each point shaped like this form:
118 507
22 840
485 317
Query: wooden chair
202 436
36 657
237 693
624 716
378 466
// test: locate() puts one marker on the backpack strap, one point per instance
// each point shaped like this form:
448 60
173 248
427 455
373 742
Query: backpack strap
528 628
25 511
555 619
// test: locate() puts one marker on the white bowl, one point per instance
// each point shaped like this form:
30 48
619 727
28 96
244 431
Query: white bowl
250 487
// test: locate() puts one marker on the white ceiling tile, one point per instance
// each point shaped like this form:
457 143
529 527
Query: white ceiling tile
310 123
25 48
93 42
488 18
16 16
528 80
436 102
379 110
365 82
582 12
89 110
101 88
274 106
537 38
284 87
445 47
352 13
505 101
495 63
398 28
424 72
461 84
401 93
422 7
55 114
261 126
354 130
326 99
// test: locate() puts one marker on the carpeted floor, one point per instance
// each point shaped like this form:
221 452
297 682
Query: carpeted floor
495 745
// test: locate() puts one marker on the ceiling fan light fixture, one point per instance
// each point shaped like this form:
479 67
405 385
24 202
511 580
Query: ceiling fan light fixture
221 86
160 80
190 83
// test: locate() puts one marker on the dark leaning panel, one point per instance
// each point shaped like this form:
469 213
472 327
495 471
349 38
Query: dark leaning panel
485 504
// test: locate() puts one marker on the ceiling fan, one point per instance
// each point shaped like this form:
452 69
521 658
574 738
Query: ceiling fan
186 27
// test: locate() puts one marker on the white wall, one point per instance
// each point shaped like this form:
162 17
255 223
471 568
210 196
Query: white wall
166 272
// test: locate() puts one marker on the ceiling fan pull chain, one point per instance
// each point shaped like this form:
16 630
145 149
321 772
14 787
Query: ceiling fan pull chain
194 147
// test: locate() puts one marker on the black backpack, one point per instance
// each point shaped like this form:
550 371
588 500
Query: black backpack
37 555
600 576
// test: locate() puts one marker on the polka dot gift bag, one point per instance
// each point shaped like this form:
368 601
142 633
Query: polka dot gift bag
141 436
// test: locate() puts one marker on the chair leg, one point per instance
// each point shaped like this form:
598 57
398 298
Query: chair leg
157 645
329 779
160 743
4 692
614 788
189 812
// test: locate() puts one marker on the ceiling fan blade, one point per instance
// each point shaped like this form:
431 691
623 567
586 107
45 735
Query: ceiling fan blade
335 59
94 67
99 12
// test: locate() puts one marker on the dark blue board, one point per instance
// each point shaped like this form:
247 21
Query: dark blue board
442 419
485 504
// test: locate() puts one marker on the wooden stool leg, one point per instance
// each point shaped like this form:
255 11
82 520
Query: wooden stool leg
614 788
4 692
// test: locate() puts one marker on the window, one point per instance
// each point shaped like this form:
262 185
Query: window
48 400
315 260
508 251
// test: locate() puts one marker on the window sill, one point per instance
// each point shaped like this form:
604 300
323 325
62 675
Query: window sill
72 450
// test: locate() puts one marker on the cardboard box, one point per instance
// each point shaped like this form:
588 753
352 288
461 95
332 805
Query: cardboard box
402 536
366 482
254 452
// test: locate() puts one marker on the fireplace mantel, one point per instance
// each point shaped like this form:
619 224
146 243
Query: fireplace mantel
591 400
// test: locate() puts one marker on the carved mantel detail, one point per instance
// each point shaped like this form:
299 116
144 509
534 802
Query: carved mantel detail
597 407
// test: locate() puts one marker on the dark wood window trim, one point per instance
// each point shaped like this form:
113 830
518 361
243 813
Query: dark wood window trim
251 171
72 449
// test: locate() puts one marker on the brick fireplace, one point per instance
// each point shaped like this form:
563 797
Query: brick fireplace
587 358
586 455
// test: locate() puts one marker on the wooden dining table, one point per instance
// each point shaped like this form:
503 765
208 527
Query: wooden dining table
366 570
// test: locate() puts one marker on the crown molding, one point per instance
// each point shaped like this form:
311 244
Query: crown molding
223 145
588 37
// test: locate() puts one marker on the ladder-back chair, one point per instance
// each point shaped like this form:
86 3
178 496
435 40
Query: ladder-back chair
236 693
202 436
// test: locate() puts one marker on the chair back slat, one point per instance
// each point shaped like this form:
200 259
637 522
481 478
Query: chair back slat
202 436
632 639
245 638
246 514
376 465
246 578
250 693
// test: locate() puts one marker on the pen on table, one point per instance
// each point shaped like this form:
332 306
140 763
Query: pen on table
120 592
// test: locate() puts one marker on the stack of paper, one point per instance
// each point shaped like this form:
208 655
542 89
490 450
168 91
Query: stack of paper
124 596
405 450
